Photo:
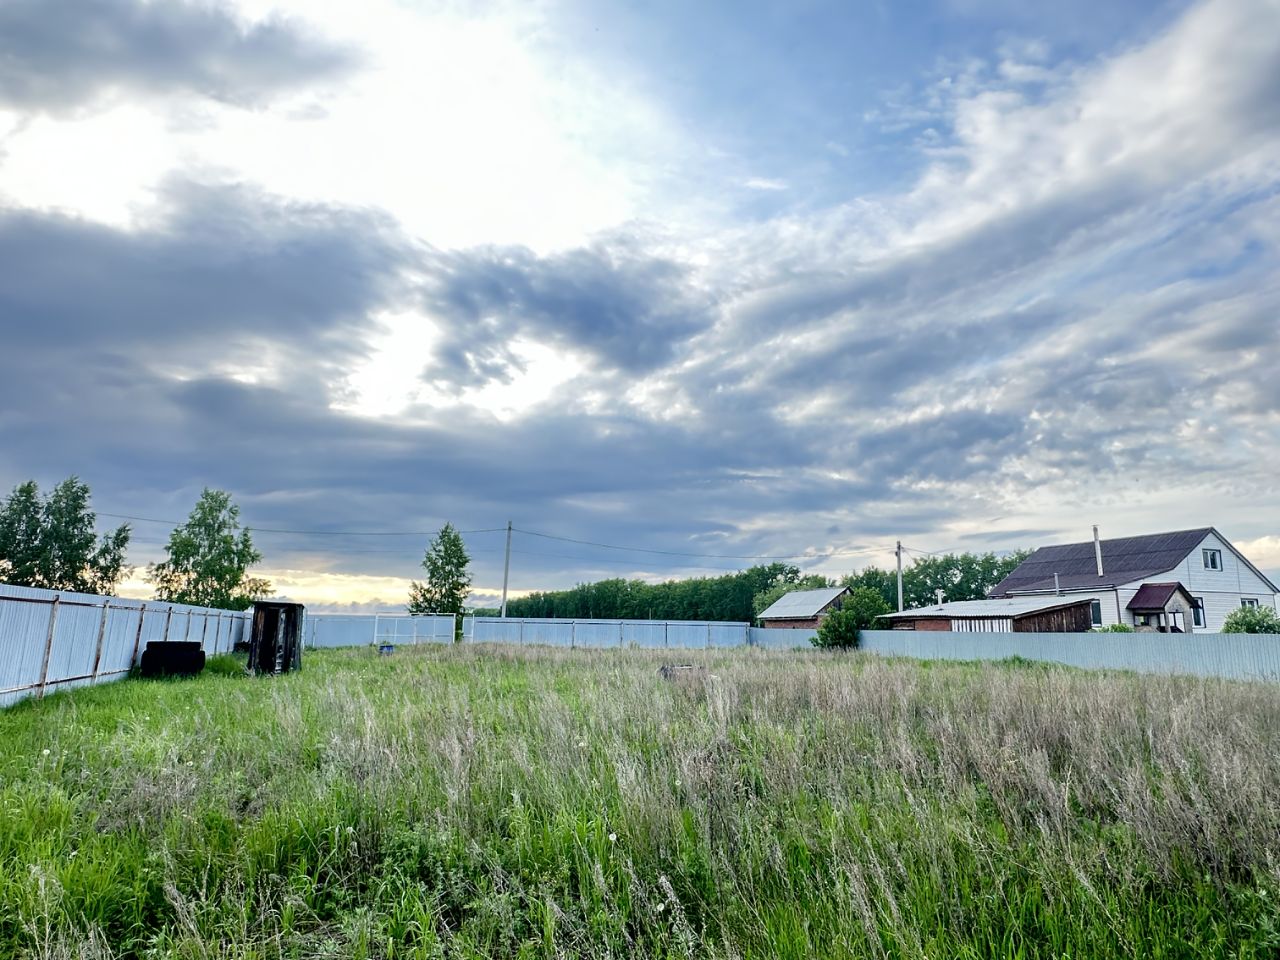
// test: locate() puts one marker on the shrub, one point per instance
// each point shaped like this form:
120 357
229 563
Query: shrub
858 612
1115 628
1252 620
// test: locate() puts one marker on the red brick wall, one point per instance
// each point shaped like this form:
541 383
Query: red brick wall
941 626
811 624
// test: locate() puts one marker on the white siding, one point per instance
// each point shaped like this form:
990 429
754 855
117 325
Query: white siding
1221 590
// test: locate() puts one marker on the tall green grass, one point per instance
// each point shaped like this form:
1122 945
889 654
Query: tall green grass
498 802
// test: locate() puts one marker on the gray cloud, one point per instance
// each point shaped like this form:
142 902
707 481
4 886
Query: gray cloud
56 55
629 309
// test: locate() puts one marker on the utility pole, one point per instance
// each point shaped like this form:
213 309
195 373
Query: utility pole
506 570
898 551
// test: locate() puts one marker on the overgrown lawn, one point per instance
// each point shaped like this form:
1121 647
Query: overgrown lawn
500 802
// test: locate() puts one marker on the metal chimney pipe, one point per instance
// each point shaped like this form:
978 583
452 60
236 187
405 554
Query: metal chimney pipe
1057 585
1097 549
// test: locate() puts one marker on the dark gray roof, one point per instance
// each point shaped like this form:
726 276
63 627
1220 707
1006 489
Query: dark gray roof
801 604
1123 560
1155 596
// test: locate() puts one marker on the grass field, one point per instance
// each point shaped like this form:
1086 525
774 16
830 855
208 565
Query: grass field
490 802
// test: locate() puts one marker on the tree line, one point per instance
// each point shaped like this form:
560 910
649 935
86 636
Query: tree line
743 595
51 541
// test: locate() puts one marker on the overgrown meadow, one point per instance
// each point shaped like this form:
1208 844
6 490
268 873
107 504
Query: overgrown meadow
499 802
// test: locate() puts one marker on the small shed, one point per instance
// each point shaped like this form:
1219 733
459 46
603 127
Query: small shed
1163 607
802 609
1005 615
275 642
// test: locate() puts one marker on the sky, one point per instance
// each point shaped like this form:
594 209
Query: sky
684 285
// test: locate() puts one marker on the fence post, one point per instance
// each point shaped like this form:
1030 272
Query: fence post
573 634
102 631
374 641
522 630
708 634
137 638
167 618
621 624
204 632
665 642
746 634
48 646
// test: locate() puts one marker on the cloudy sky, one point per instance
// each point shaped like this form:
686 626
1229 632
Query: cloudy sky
718 281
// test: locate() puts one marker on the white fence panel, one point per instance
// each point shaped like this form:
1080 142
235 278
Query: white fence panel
782 638
52 640
359 630
1235 656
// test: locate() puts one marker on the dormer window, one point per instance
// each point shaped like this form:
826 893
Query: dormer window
1212 559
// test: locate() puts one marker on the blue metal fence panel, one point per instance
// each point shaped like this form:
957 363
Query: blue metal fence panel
1231 655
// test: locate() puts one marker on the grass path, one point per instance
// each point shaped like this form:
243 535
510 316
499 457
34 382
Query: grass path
491 802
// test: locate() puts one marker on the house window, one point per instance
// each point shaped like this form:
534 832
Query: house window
1095 612
1212 559
1197 612
1248 602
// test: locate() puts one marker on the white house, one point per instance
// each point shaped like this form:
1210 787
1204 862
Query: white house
1161 580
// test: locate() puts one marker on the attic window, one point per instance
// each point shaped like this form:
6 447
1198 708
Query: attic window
1212 559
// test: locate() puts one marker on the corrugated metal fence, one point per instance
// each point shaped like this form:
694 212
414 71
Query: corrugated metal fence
51 640
349 630
354 630
1235 656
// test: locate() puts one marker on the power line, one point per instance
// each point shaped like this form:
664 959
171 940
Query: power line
310 533
706 556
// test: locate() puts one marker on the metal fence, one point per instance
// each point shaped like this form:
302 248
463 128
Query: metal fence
52 640
1234 656
354 630
684 634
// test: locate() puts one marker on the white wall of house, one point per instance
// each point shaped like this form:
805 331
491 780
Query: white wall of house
1221 591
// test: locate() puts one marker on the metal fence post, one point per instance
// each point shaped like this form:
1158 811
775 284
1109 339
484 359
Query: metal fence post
137 638
708 633
48 646
573 634
102 632
374 641
665 641
621 624
167 618
204 632
522 630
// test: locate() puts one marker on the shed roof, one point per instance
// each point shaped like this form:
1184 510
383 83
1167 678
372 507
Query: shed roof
801 604
1124 560
1011 607
1155 596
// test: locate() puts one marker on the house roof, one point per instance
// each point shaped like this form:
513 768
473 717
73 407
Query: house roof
801 604
1011 607
1155 596
1124 560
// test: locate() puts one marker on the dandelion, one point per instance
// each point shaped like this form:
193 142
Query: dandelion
191 763
662 905
613 838
582 744
677 781
44 752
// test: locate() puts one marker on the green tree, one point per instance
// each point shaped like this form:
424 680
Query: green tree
51 542
960 576
209 558
1252 620
448 582
767 598
858 612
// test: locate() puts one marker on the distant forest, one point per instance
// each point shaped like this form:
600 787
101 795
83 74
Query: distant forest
740 596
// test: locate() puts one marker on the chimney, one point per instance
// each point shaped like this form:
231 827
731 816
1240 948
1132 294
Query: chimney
938 593
1057 586
1097 549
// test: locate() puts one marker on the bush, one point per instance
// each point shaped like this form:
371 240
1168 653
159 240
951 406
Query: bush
1115 628
1252 620
858 612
